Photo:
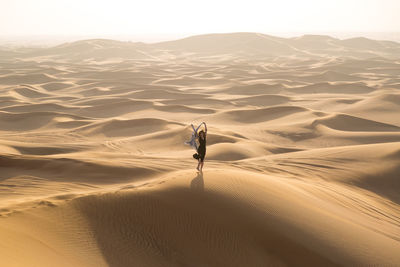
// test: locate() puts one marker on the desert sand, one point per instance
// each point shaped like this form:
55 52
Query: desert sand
302 164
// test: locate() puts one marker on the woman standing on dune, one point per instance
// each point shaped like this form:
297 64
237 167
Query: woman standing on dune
201 151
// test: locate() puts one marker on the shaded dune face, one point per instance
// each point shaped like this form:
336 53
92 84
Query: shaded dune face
208 228
302 162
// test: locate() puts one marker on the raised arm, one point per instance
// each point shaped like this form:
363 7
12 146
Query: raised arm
194 130
205 127
198 127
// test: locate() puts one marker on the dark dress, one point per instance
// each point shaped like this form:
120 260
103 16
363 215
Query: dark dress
202 149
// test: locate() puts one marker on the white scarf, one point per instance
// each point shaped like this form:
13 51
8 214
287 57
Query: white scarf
192 141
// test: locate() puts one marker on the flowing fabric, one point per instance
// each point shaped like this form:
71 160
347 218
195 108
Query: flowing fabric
192 141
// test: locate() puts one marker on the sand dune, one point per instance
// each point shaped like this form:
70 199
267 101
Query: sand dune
26 121
50 107
259 115
229 43
262 100
183 108
17 79
105 108
133 127
254 89
53 86
329 76
302 165
345 122
329 88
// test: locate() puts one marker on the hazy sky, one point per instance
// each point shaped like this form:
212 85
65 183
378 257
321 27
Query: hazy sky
150 17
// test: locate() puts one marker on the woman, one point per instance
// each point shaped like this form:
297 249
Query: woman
201 151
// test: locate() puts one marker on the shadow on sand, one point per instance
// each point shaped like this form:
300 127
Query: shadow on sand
197 184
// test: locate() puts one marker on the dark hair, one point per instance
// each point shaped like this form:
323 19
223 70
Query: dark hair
202 132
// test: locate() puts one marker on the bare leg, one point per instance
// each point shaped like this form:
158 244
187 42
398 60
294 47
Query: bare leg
201 164
198 165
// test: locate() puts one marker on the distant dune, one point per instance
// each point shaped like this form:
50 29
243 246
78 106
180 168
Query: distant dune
302 164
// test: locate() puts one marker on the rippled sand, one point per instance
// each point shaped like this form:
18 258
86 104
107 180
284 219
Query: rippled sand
302 165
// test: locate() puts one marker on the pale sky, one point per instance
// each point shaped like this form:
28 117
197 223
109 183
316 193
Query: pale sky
178 17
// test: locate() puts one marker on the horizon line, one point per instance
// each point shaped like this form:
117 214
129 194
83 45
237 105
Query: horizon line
56 39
